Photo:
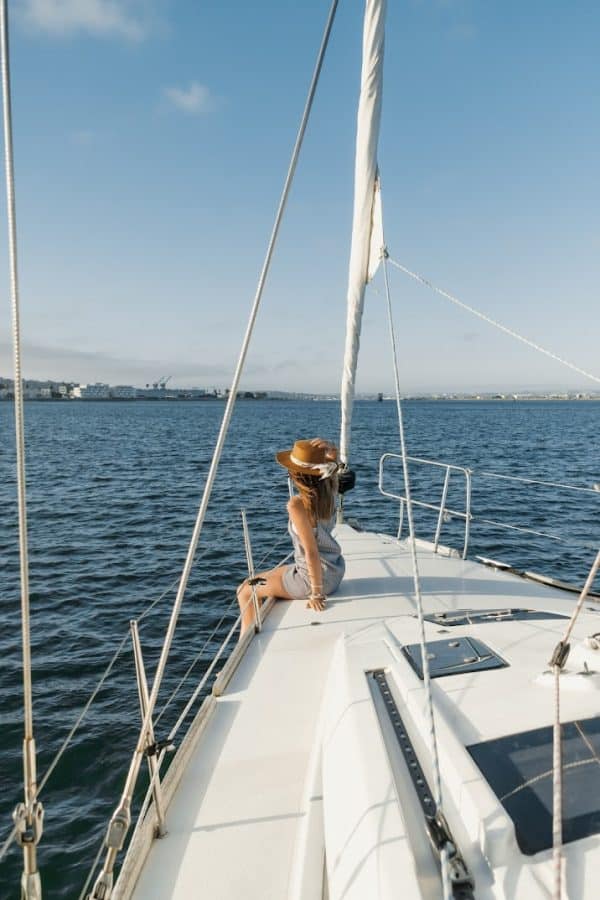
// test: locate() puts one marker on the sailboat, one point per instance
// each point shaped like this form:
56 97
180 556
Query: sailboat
435 734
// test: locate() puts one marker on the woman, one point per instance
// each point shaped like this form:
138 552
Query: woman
318 566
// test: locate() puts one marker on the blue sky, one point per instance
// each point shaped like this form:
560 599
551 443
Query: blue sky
151 141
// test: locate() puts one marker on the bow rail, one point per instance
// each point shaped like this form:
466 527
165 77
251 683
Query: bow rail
446 513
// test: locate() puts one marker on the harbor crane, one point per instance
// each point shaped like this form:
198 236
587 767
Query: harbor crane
161 383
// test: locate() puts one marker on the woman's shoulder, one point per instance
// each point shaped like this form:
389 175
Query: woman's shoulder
295 504
297 510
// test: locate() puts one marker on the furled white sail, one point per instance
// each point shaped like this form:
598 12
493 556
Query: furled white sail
367 232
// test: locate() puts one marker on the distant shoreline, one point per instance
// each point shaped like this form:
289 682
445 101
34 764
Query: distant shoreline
307 398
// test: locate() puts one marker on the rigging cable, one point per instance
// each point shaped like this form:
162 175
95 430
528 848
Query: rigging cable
498 325
121 818
559 658
161 756
561 651
28 816
437 781
76 725
5 846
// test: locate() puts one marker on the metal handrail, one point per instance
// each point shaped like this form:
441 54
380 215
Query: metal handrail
467 515
441 509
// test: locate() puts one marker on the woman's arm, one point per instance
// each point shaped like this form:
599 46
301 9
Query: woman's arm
303 528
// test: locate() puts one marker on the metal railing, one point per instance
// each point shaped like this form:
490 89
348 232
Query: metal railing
444 513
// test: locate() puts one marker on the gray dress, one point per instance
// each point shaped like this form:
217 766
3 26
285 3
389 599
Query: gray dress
296 579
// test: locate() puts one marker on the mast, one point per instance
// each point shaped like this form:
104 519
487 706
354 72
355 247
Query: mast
367 213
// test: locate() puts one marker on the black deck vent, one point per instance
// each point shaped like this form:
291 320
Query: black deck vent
454 657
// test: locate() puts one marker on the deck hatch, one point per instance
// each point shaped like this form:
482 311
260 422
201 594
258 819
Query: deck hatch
518 768
488 616
453 657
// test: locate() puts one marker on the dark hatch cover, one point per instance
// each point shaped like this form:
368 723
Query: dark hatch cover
519 770
479 616
453 657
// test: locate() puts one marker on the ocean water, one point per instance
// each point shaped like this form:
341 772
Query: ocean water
113 490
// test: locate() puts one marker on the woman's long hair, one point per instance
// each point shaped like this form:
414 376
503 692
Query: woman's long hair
318 495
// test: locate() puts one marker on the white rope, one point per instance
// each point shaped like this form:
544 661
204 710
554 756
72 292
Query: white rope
28 816
557 791
558 661
18 389
437 790
582 597
494 323
228 412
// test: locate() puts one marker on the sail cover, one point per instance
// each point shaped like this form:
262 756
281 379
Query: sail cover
367 233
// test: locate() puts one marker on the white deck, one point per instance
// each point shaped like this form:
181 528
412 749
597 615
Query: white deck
247 818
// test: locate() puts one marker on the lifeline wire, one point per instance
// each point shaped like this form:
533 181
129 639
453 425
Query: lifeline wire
498 325
162 754
558 484
417 585
75 727
66 742
192 665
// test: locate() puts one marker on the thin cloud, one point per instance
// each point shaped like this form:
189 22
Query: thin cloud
194 100
43 361
105 18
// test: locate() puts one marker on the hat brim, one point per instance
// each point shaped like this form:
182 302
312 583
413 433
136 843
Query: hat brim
284 459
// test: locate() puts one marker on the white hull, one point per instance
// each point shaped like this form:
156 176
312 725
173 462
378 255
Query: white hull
296 786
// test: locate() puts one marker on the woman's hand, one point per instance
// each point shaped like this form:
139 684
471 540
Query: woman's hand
316 602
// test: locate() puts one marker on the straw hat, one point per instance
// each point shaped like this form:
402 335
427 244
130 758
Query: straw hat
306 459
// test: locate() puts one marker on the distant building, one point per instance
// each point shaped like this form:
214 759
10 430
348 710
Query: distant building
123 392
98 391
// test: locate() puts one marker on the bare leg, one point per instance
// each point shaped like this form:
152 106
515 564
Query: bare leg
273 587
